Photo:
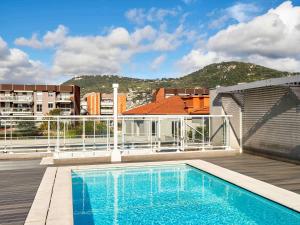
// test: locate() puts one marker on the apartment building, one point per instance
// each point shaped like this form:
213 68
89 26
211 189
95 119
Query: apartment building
96 103
38 100
174 102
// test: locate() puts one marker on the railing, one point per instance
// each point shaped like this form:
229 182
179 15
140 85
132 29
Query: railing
94 134
17 98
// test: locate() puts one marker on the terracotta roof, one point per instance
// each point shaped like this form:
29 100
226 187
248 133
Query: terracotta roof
171 105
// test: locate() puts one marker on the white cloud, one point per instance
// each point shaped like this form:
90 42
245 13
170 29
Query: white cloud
107 53
50 39
274 34
272 40
198 58
240 12
55 37
156 63
140 16
33 42
16 67
189 1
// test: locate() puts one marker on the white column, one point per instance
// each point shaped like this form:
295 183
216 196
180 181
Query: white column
115 155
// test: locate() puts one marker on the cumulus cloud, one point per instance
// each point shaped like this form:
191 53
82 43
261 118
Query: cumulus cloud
274 34
157 62
240 12
50 39
55 37
140 16
17 67
198 58
272 40
106 54
33 42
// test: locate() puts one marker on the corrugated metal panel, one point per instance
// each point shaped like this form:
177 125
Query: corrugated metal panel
271 123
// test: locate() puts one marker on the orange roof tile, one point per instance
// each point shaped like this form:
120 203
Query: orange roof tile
171 105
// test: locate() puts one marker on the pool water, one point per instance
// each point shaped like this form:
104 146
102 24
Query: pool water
177 194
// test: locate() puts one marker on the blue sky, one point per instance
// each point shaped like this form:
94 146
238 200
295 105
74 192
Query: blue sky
50 41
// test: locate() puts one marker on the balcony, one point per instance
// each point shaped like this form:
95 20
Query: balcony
64 99
107 103
106 111
16 111
18 99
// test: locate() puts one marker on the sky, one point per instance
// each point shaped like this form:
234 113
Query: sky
52 41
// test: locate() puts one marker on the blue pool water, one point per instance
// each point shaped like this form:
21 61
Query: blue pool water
167 195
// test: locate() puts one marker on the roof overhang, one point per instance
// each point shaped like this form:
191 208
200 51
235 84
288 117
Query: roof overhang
282 81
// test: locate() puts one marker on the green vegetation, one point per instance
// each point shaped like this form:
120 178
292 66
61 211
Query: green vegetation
224 74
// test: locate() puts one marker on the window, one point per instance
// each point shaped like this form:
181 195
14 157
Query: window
51 94
50 105
39 107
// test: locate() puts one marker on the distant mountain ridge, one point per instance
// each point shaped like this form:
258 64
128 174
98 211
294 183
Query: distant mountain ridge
224 74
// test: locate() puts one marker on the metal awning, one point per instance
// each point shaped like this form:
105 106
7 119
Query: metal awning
289 80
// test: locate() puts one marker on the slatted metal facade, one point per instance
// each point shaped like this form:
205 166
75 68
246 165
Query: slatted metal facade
271 121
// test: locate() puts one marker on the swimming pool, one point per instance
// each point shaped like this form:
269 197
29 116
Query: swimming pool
174 194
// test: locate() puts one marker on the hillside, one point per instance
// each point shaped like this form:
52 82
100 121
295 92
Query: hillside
224 74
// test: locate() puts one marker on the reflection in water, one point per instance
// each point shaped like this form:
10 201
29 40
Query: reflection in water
168 195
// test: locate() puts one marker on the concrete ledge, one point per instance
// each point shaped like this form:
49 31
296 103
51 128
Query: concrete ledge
168 156
30 155
61 206
81 160
146 157
39 208
269 191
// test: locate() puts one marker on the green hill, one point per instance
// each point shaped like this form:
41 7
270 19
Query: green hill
224 74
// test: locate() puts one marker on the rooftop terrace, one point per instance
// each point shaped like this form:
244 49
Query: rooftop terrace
22 179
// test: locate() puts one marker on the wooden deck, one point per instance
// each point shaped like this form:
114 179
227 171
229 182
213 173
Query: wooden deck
281 174
19 181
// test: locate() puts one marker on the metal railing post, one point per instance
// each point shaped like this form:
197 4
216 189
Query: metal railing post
64 134
83 134
209 130
11 142
159 134
123 133
57 149
228 133
5 141
48 134
107 134
150 131
182 134
203 133
94 133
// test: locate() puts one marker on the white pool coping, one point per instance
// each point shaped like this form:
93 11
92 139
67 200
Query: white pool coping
53 202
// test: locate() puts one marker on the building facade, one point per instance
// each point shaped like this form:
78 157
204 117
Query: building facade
96 103
265 115
38 100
